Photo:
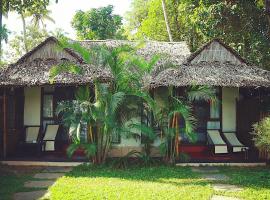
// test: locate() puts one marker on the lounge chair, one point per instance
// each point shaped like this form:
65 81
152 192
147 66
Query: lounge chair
214 139
234 143
31 139
48 141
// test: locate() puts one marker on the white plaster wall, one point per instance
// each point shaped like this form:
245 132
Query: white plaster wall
229 97
32 101
129 142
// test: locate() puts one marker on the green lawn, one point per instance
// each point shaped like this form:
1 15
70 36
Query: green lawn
88 182
255 181
138 183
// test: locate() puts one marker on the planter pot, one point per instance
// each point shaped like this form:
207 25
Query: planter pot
264 154
79 152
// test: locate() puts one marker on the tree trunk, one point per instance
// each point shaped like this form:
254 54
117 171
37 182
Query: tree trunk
267 11
166 20
1 24
24 32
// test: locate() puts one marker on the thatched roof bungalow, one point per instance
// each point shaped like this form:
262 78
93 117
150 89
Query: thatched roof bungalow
28 99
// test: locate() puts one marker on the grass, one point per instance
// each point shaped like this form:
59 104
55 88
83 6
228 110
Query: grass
89 182
12 180
254 181
161 182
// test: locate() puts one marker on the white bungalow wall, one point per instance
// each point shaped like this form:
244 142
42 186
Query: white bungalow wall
216 52
32 105
229 100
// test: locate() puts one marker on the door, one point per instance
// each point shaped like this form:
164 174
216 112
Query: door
248 112
14 118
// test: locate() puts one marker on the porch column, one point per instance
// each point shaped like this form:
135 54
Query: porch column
5 123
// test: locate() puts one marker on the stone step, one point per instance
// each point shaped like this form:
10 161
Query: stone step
48 175
205 169
57 169
38 184
219 197
215 177
34 195
227 188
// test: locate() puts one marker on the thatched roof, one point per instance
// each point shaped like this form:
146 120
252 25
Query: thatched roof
214 64
33 68
214 74
208 45
36 73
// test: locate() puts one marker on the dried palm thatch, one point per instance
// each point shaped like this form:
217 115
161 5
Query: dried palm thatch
37 72
33 68
214 74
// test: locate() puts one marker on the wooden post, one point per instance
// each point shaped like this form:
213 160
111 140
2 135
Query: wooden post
5 123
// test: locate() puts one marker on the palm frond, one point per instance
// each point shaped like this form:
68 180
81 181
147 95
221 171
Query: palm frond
77 48
116 100
83 93
64 67
201 93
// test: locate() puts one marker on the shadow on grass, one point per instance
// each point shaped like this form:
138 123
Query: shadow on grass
12 180
255 177
178 176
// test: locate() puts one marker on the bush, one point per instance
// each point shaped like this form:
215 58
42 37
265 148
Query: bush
261 132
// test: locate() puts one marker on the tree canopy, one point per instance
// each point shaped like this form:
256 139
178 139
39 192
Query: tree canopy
97 24
242 24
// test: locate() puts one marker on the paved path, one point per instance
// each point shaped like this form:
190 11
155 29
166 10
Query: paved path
213 174
42 181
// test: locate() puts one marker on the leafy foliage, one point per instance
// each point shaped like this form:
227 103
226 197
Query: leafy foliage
4 32
175 110
261 132
244 25
89 149
97 24
33 37
103 114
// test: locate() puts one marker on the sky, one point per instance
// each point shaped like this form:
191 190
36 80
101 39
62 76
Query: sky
64 10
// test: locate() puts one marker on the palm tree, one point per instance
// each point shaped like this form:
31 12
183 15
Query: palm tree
104 115
166 20
177 109
40 16
3 36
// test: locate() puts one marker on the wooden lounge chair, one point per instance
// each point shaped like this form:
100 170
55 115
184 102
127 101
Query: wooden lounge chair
31 139
234 143
48 142
214 139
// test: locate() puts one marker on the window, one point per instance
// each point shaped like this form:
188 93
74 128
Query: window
48 106
215 111
116 139
201 114
11 116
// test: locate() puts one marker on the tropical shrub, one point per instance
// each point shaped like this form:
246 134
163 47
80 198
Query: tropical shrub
106 114
261 133
176 109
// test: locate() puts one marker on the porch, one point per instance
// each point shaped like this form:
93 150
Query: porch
238 109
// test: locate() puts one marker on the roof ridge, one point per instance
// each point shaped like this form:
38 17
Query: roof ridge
153 41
